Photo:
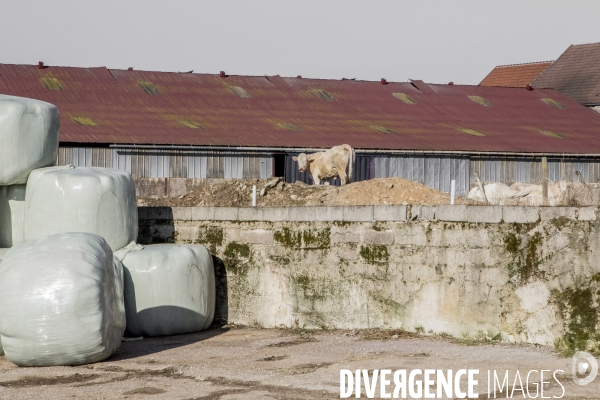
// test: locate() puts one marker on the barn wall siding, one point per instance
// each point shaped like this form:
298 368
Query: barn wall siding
171 164
436 171
529 169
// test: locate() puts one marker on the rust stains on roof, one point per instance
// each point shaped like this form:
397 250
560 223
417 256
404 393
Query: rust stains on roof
201 109
516 75
576 73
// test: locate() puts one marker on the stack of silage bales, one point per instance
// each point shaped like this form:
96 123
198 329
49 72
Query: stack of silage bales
62 282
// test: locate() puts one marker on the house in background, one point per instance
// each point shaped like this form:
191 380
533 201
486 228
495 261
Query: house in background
515 75
576 74
205 126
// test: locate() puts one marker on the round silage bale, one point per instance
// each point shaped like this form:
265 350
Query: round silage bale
81 199
169 289
61 301
28 137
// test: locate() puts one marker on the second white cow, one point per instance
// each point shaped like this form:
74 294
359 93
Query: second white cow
337 161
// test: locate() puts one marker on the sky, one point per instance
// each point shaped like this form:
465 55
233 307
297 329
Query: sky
437 41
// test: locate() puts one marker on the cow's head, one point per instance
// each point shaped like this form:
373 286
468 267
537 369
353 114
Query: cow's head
302 162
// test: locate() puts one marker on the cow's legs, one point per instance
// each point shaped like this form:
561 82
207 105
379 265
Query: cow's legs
343 177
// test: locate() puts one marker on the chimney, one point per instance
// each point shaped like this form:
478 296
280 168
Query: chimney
450 83
41 65
383 81
222 74
529 87
299 77
130 69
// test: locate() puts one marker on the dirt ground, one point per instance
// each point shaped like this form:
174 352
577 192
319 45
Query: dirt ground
238 193
248 363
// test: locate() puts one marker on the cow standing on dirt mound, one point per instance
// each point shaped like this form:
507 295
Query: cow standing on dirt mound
337 161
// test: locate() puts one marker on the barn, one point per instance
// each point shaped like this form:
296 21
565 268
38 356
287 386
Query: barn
189 125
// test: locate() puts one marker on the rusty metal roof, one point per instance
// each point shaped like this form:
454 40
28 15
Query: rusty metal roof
105 106
515 75
576 73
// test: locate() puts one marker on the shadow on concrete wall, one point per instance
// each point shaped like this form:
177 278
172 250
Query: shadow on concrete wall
222 302
156 225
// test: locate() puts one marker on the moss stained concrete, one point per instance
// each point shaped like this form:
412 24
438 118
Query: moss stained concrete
535 282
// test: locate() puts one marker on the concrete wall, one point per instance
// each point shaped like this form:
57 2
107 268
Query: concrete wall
523 274
170 187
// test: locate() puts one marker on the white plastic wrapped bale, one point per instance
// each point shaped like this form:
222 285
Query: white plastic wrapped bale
28 137
78 199
61 301
169 289
3 253
12 214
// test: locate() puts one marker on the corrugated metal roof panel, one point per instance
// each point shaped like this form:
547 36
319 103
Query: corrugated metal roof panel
444 117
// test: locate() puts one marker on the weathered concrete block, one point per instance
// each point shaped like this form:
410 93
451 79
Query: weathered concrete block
177 187
143 213
484 214
259 236
520 215
275 214
358 213
345 237
227 213
203 213
182 213
345 252
375 237
302 213
329 213
236 235
159 213
389 213
187 234
250 214
548 213
586 213
451 213
423 213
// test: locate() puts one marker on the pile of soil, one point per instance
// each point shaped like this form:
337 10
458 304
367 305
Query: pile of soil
238 193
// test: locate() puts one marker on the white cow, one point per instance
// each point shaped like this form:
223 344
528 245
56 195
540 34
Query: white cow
496 193
520 193
534 197
337 161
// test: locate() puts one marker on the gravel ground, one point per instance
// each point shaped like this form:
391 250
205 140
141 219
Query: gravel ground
248 363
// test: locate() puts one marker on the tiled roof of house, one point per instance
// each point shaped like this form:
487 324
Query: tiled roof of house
516 75
576 73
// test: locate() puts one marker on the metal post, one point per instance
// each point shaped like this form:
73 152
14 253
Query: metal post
481 187
253 195
545 180
452 191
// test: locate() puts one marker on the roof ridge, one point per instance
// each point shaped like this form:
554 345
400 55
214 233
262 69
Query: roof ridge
585 44
529 63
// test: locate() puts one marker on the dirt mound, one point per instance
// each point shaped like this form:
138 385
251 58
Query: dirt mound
238 193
